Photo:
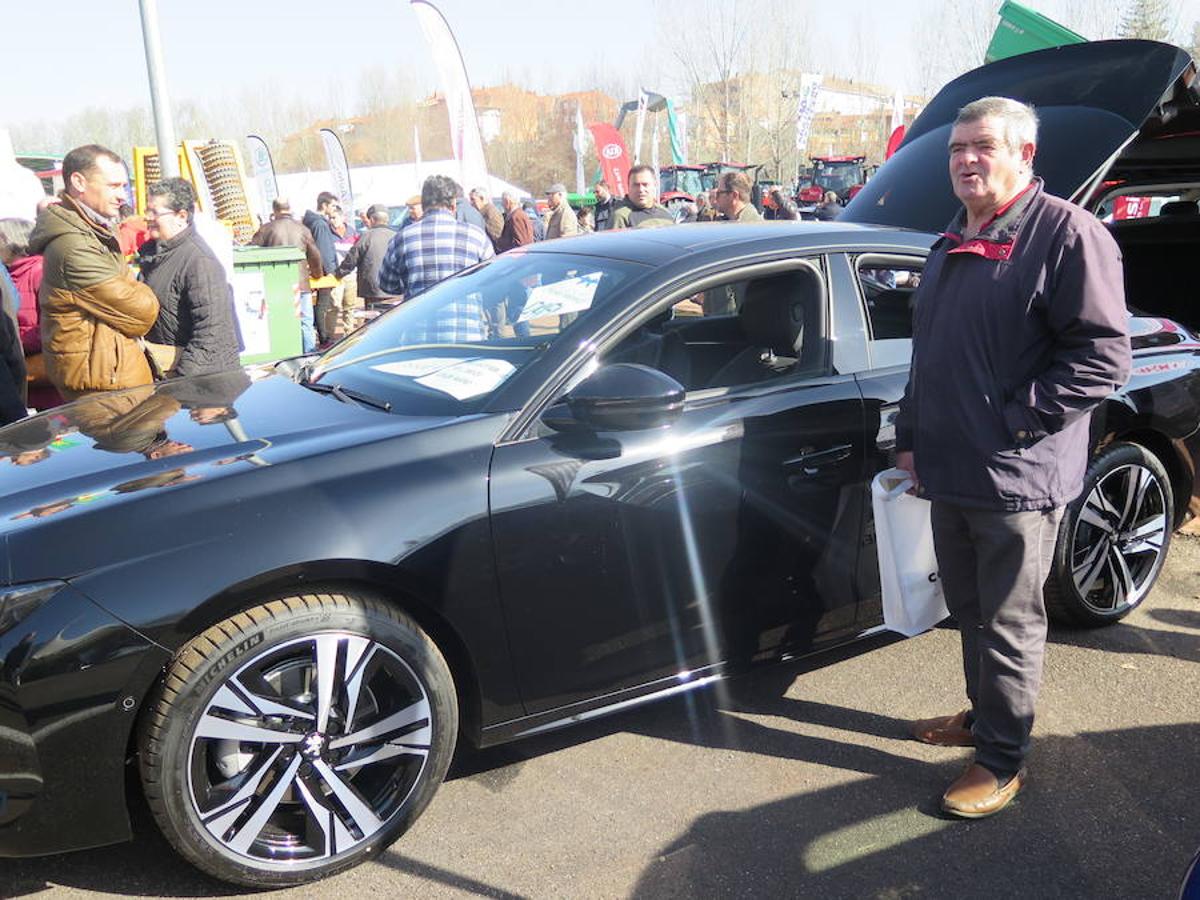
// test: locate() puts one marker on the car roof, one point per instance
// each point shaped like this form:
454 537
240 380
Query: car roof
657 246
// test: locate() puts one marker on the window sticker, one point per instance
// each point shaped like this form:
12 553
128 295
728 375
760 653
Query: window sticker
469 378
415 368
570 295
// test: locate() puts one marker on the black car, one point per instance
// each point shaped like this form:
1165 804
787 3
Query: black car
540 492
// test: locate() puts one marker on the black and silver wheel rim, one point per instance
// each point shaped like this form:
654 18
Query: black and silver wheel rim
1117 546
309 749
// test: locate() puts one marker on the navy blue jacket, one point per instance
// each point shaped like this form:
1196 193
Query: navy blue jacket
323 235
1018 333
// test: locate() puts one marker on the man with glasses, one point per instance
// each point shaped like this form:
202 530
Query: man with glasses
93 310
733 198
196 332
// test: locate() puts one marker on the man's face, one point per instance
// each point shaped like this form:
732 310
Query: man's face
162 222
414 211
725 200
602 193
554 200
477 201
984 171
641 189
101 190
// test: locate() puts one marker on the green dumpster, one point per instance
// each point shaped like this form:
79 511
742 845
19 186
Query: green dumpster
1022 30
265 282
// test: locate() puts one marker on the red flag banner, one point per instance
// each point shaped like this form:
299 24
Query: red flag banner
614 158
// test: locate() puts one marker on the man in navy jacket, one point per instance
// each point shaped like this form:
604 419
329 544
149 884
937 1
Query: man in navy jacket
1020 330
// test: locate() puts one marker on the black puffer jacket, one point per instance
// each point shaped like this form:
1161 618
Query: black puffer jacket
196 304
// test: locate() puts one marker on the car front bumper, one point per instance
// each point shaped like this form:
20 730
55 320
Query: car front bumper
71 681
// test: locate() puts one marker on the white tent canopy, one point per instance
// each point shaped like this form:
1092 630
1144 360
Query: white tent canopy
391 184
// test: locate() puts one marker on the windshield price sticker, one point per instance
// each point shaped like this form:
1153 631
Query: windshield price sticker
415 368
469 379
571 295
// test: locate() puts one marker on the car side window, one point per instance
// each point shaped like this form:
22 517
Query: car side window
742 331
722 300
888 286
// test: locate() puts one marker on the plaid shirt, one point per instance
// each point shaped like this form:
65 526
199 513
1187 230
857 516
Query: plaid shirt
427 252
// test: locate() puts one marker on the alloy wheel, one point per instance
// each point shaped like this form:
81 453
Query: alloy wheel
307 750
1119 537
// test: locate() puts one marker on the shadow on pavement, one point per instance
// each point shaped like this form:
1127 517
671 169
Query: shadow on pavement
1094 822
1129 638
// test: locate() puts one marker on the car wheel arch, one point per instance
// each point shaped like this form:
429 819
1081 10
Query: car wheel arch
1171 457
389 583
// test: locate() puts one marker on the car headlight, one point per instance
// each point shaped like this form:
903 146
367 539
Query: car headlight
19 601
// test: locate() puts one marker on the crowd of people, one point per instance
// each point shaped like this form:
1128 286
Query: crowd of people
98 299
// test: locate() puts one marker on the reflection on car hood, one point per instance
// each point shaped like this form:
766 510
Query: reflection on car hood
110 445
1090 98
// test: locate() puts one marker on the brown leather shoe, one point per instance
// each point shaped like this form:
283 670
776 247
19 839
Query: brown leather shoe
944 731
978 794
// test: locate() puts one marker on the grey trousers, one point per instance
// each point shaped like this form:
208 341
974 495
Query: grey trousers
992 565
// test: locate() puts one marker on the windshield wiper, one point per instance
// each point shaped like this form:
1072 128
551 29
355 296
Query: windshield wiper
348 395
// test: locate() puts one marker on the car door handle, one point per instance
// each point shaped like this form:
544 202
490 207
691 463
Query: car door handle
811 460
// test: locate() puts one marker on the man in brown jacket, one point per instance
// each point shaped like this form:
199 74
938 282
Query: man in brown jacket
493 222
93 309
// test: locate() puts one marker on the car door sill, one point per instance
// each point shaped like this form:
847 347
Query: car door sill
619 701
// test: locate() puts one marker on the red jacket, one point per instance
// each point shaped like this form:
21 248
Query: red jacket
27 276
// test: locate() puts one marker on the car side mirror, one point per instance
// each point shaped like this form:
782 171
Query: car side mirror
619 397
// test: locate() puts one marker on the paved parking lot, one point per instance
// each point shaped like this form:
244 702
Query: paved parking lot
797 781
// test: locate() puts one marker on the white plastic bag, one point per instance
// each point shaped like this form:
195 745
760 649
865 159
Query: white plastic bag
908 570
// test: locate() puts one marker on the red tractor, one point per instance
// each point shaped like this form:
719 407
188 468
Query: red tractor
844 175
679 184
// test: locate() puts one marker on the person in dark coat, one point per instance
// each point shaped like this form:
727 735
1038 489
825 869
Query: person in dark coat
605 206
366 256
318 224
12 358
829 208
196 331
1020 330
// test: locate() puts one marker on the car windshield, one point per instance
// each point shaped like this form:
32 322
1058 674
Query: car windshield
448 350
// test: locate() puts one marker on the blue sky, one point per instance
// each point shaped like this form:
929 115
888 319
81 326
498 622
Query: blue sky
64 56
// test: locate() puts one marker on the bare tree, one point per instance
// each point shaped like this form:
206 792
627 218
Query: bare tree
1149 20
1093 19
710 60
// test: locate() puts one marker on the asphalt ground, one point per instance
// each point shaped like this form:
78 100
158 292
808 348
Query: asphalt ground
798 781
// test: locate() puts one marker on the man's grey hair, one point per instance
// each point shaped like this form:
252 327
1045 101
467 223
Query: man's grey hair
178 192
14 236
479 192
1019 120
439 192
510 197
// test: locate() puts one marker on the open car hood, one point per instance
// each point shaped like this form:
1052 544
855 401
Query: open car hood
1097 102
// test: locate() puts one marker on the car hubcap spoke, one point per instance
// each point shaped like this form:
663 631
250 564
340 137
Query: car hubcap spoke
1147 537
403 719
309 748
366 820
1087 573
245 835
214 727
